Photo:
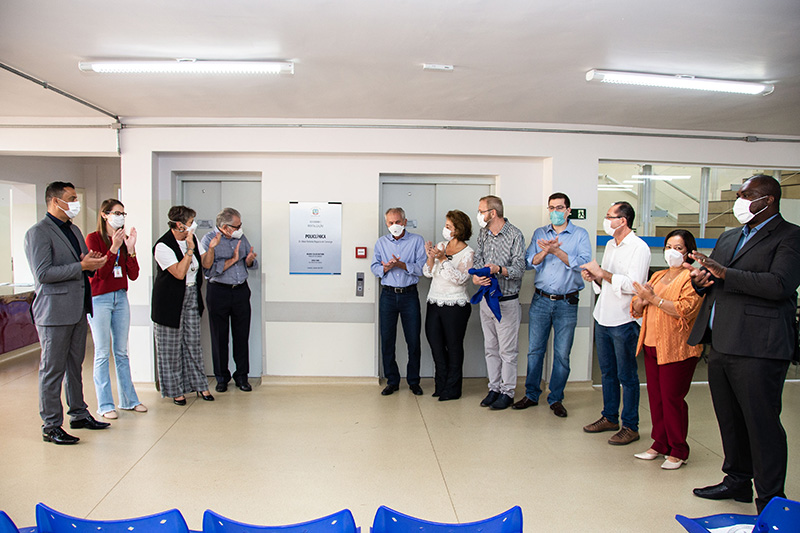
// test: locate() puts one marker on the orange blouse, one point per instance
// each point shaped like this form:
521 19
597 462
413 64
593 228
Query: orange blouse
672 332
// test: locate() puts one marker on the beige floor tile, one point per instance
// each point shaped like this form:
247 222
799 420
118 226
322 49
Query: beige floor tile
289 453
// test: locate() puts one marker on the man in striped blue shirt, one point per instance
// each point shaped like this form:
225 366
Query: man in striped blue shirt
501 248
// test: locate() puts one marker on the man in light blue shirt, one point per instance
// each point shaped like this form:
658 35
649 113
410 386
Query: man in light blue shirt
555 253
227 258
398 261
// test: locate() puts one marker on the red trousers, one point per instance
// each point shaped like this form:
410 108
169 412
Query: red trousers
667 387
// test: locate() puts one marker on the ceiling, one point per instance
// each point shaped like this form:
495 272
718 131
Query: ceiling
516 61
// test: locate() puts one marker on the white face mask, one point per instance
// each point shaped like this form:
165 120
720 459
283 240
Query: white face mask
447 234
74 209
396 230
237 234
607 227
673 257
741 210
116 221
185 227
482 219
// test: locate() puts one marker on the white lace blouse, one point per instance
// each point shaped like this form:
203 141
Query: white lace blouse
449 278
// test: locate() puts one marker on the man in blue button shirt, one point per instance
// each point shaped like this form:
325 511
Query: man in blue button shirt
398 261
556 253
227 258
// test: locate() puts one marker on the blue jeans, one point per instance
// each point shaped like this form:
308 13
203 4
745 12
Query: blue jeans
616 353
110 324
406 306
562 317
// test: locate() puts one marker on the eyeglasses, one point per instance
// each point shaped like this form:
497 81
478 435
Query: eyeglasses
117 213
482 212
611 218
234 227
556 208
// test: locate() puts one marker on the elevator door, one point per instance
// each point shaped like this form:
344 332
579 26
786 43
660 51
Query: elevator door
207 195
426 205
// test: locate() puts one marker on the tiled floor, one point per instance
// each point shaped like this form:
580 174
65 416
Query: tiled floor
288 453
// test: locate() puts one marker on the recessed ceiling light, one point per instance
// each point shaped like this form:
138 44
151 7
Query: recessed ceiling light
679 82
186 66
435 66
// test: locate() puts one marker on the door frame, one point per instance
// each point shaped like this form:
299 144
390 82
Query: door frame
178 179
417 179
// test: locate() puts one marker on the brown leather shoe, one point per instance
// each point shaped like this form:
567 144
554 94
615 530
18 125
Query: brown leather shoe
604 424
624 436
559 410
524 403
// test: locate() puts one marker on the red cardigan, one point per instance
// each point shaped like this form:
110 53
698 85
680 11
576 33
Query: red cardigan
103 280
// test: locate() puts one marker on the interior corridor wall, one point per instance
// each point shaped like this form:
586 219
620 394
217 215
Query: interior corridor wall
330 164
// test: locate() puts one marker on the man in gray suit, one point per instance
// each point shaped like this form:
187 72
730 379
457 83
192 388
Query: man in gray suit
60 263
750 281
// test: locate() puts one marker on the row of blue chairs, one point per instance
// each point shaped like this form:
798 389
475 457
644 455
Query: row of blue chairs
386 521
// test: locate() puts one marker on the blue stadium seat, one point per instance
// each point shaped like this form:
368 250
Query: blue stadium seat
341 522
8 526
389 521
51 521
780 515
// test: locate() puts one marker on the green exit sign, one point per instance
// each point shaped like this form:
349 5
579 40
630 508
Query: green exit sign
578 213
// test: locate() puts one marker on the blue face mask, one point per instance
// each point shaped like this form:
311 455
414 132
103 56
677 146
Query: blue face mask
558 217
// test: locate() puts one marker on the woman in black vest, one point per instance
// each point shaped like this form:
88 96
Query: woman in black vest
177 306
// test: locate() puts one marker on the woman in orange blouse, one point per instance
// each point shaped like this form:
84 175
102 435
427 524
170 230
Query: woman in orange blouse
669 307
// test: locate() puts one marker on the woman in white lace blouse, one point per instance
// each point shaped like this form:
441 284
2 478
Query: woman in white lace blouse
448 303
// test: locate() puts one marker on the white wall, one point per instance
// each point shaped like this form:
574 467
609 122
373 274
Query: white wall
344 164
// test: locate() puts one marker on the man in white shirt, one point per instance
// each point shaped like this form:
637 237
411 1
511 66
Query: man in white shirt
626 260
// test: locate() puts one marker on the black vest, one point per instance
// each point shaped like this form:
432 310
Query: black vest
168 291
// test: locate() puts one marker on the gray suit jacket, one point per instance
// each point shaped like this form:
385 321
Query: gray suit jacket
57 273
756 301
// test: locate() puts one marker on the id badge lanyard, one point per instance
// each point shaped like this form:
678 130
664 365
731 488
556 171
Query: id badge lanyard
117 267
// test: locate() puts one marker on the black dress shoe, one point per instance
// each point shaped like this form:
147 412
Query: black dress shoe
445 397
206 397
503 401
416 389
245 386
221 386
559 410
389 389
179 401
724 492
58 436
490 398
88 423
524 403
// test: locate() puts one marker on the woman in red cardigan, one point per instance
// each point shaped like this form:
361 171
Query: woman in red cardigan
112 317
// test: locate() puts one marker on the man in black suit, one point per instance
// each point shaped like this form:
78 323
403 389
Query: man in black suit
748 318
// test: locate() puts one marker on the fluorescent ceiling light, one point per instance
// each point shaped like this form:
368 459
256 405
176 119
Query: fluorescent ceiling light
654 177
614 188
186 66
633 181
679 82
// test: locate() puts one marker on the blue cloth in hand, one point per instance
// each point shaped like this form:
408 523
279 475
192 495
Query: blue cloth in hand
492 292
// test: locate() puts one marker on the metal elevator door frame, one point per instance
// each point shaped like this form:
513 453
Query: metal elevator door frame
436 194
237 190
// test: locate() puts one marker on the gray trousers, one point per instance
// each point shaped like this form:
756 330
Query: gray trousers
501 345
63 349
